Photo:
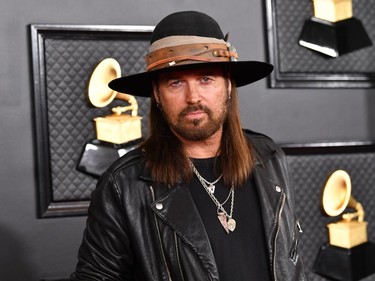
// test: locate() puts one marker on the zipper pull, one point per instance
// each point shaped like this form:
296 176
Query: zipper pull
299 226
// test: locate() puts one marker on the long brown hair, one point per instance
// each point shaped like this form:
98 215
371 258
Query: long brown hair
167 163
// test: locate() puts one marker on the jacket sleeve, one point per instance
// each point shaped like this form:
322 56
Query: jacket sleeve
105 252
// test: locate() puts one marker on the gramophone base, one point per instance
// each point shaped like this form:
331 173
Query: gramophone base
118 128
97 155
334 39
346 264
347 234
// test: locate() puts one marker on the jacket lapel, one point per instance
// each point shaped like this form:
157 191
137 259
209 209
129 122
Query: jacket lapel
270 195
177 209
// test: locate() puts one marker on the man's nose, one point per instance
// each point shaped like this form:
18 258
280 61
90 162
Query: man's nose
192 93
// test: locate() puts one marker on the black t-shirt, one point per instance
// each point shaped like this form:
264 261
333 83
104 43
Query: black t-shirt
240 255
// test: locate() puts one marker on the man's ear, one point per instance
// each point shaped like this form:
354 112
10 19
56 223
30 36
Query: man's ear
229 85
155 91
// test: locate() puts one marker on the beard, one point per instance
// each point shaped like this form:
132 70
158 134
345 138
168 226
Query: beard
197 129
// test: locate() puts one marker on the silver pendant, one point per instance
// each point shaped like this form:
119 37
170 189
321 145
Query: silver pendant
211 187
231 224
223 219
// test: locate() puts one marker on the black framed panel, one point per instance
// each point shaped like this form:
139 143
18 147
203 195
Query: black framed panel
299 67
311 165
63 58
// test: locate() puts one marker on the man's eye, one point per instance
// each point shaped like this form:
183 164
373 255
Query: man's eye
175 83
206 79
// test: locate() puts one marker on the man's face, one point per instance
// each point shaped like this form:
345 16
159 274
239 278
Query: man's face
194 102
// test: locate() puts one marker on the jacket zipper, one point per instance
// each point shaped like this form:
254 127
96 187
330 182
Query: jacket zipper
277 224
159 238
178 257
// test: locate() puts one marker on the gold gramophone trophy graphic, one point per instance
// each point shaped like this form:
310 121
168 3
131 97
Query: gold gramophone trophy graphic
348 255
117 133
333 30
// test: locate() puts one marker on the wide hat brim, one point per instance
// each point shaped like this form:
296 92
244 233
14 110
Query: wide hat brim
242 72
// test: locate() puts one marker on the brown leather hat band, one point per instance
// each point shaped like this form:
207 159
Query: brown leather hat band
170 56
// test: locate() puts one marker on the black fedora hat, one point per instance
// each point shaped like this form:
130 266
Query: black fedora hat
189 39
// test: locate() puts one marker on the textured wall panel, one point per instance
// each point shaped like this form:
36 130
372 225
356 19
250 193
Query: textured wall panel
69 64
297 66
310 173
64 58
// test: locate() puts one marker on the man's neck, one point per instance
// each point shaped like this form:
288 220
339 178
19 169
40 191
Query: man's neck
202 149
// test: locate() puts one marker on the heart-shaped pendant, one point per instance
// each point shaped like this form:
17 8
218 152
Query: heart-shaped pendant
231 224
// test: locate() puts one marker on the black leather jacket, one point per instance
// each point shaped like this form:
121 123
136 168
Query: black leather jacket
137 230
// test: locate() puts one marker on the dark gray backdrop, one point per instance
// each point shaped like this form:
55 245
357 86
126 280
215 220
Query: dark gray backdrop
31 248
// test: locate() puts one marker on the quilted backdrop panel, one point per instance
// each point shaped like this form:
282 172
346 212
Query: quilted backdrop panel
69 64
310 173
290 17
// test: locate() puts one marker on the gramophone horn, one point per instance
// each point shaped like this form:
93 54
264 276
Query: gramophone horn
337 197
336 193
99 93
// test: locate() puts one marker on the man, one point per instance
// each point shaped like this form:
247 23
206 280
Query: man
201 199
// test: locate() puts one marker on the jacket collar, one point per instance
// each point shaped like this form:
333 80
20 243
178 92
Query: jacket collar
263 146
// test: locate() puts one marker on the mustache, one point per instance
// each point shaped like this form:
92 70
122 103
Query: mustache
191 108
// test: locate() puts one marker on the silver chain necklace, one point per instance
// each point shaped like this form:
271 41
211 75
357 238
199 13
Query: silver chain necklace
205 183
226 220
